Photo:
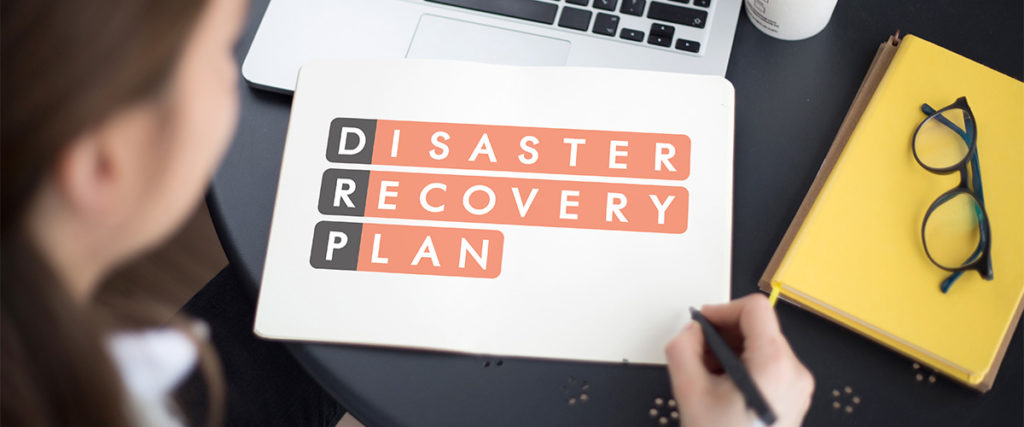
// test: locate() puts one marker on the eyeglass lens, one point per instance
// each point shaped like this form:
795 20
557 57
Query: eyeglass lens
952 232
940 146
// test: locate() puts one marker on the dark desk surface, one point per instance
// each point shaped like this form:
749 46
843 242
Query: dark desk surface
790 100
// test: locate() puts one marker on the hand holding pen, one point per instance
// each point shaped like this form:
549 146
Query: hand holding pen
707 396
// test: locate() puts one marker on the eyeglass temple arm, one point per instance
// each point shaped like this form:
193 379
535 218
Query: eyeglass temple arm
948 283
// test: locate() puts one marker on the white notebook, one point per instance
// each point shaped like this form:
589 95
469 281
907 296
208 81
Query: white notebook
553 212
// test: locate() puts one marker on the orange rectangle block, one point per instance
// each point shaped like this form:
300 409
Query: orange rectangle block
437 251
520 201
530 149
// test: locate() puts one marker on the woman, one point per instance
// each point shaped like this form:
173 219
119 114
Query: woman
115 115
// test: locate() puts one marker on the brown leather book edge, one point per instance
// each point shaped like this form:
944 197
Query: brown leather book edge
879 65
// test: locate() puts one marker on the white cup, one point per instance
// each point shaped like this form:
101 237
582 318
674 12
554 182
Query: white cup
790 19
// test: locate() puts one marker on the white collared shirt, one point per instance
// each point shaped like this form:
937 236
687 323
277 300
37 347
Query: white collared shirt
152 364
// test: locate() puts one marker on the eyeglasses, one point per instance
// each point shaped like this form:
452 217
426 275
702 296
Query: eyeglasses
955 231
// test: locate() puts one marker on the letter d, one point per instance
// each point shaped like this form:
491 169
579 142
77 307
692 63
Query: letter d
343 149
351 140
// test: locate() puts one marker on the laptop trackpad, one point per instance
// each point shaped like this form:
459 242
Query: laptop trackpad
444 38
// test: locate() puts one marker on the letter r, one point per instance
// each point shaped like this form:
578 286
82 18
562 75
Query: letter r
344 188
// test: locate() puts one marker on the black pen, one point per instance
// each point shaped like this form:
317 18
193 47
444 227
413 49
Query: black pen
734 368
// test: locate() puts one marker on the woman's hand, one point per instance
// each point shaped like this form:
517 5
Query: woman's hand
708 397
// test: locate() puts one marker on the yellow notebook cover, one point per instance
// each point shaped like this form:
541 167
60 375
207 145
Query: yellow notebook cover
854 252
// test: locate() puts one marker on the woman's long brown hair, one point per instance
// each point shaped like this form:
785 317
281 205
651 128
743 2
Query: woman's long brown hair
66 66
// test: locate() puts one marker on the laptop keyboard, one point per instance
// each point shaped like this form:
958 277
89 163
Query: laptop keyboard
652 23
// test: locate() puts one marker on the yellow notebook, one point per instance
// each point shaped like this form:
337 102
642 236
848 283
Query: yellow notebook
853 254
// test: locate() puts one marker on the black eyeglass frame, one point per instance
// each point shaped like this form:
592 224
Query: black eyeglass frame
970 185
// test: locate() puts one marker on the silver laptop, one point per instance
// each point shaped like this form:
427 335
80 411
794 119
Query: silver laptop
692 36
